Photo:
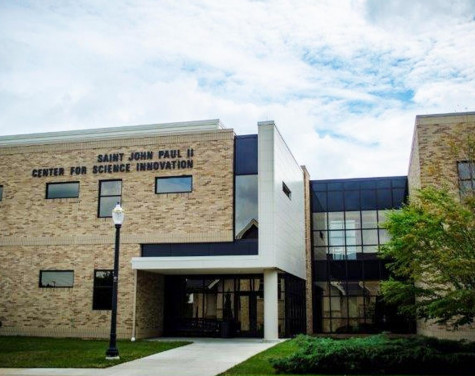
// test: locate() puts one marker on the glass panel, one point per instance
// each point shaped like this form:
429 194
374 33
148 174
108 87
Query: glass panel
107 204
370 237
464 170
338 253
319 221
352 252
353 237
399 196
320 253
340 325
320 238
352 200
382 216
336 238
322 288
383 236
368 199
335 201
352 219
57 279
369 218
356 306
465 186
1 192
103 278
335 220
370 249
246 221
178 184
384 199
62 190
109 188
326 326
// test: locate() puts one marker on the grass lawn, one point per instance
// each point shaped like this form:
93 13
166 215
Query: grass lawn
39 352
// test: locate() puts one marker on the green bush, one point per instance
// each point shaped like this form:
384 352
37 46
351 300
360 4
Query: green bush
378 355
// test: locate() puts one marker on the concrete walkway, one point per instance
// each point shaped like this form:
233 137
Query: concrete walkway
204 357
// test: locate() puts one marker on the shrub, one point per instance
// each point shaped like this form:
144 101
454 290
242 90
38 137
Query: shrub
378 355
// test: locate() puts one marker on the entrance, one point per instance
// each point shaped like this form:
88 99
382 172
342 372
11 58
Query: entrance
214 306
230 305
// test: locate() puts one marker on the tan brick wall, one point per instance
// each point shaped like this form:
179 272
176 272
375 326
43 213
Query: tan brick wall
150 304
27 309
36 233
439 142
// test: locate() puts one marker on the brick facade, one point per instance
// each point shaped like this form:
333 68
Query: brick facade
439 142
41 234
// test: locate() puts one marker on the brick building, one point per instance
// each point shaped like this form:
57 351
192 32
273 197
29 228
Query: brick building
221 231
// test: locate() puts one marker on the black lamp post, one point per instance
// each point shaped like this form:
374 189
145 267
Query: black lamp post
118 217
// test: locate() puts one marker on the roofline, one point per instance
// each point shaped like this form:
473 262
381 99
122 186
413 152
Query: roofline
112 133
358 179
447 114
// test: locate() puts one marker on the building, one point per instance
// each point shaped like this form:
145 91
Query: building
224 234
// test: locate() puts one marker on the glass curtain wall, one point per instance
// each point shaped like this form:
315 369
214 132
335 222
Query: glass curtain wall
230 306
347 231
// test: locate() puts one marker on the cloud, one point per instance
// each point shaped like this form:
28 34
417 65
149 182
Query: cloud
343 80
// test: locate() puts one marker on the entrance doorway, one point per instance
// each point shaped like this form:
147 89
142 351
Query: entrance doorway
214 306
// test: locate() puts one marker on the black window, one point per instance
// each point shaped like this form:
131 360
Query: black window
110 193
466 172
62 190
286 190
1 192
56 278
102 295
174 184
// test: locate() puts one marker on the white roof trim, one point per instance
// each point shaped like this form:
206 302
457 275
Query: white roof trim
112 133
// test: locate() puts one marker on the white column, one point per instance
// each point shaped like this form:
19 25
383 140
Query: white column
271 305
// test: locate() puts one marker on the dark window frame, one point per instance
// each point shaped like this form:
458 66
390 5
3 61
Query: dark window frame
61 183
471 178
1 192
287 190
94 305
173 177
57 271
100 196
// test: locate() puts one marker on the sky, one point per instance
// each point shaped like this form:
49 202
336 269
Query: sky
343 80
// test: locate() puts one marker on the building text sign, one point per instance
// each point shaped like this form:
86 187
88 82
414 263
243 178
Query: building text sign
167 159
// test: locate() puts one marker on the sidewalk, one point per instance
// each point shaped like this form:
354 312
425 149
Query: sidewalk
204 357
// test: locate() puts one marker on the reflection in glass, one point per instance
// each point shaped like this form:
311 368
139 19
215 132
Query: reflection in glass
53 278
369 219
246 221
175 184
110 195
319 221
62 190
111 187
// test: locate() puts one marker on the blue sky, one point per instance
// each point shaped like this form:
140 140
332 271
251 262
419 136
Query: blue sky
343 80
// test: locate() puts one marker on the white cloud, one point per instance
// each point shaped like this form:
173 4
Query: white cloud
343 80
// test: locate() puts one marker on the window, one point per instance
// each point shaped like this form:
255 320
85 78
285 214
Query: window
1 192
246 220
286 190
102 295
56 278
62 190
466 171
110 193
174 184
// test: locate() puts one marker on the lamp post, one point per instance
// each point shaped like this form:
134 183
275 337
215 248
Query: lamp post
118 217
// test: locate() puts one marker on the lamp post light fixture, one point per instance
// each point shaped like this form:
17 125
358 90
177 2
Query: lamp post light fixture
118 218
